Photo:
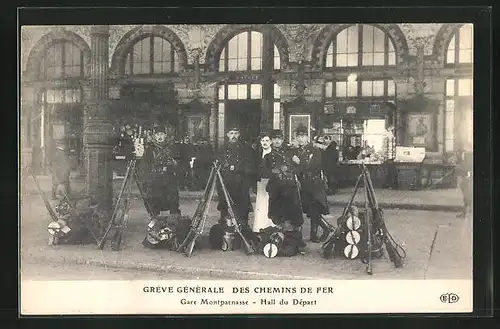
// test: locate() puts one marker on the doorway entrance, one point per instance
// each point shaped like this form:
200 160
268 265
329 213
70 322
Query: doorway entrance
245 114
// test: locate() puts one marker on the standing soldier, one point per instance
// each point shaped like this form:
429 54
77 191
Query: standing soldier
60 168
313 194
158 169
237 169
285 209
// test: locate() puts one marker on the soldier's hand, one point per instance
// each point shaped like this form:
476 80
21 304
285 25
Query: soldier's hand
296 159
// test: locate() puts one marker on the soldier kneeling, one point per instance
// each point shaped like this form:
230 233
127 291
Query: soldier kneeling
167 232
74 224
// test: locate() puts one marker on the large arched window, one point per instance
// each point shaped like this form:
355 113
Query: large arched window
355 94
62 60
151 55
246 52
460 48
458 128
361 45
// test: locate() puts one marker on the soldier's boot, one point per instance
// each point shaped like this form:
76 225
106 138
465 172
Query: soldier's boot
314 231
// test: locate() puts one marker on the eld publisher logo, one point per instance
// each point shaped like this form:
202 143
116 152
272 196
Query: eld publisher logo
449 298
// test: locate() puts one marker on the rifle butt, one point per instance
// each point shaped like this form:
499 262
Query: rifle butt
189 248
393 255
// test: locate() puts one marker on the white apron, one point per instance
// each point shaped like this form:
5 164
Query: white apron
261 206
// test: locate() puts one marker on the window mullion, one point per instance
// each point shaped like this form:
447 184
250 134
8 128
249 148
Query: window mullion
360 44
151 54
457 46
249 51
63 59
386 49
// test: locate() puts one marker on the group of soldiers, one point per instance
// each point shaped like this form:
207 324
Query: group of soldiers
295 185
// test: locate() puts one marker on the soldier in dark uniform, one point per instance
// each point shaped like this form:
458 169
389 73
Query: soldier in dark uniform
285 209
237 169
159 174
464 173
308 166
60 167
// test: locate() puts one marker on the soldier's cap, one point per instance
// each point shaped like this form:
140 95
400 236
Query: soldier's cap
264 133
276 133
233 127
301 130
159 129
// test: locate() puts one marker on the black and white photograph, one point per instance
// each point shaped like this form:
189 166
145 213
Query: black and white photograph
193 153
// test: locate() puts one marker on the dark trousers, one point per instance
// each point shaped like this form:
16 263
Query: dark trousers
392 173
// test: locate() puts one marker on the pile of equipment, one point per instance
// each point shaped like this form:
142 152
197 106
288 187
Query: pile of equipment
363 234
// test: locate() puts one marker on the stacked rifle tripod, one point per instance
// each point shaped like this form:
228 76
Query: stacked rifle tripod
363 234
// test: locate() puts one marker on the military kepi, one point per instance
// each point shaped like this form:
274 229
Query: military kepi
233 127
276 133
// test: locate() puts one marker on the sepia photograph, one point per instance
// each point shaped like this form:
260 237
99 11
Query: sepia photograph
208 155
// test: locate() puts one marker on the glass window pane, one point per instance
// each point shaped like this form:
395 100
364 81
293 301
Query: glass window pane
58 53
341 88
50 72
450 125
232 64
222 65
50 96
242 91
451 45
466 36
277 91
223 54
158 67
243 45
256 44
329 89
366 88
391 46
352 89
256 64
329 60
221 91
232 92
352 39
367 59
242 64
391 88
158 49
233 47
137 53
341 60
58 71
367 38
276 115
145 68
145 49
277 63
392 58
450 56
450 87
352 60
59 96
378 40
464 87
330 49
68 96
255 91
450 105
221 128
378 59
341 42
378 88
465 56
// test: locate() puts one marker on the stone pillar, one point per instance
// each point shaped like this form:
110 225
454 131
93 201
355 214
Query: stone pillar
266 121
214 112
98 126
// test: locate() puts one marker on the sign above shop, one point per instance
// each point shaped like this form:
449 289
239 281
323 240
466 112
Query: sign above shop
351 110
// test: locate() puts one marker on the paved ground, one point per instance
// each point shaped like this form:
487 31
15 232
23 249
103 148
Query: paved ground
414 229
435 199
37 271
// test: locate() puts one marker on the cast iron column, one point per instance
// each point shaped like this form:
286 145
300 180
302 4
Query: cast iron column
98 127
266 121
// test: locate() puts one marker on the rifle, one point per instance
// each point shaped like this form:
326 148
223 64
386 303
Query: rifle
117 237
51 211
368 226
200 215
247 246
391 246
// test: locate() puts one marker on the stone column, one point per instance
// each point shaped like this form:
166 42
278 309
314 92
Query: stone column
214 112
266 121
98 126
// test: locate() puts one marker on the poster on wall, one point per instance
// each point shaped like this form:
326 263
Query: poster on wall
198 127
295 121
421 130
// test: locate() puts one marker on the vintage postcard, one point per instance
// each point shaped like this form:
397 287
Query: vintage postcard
246 168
